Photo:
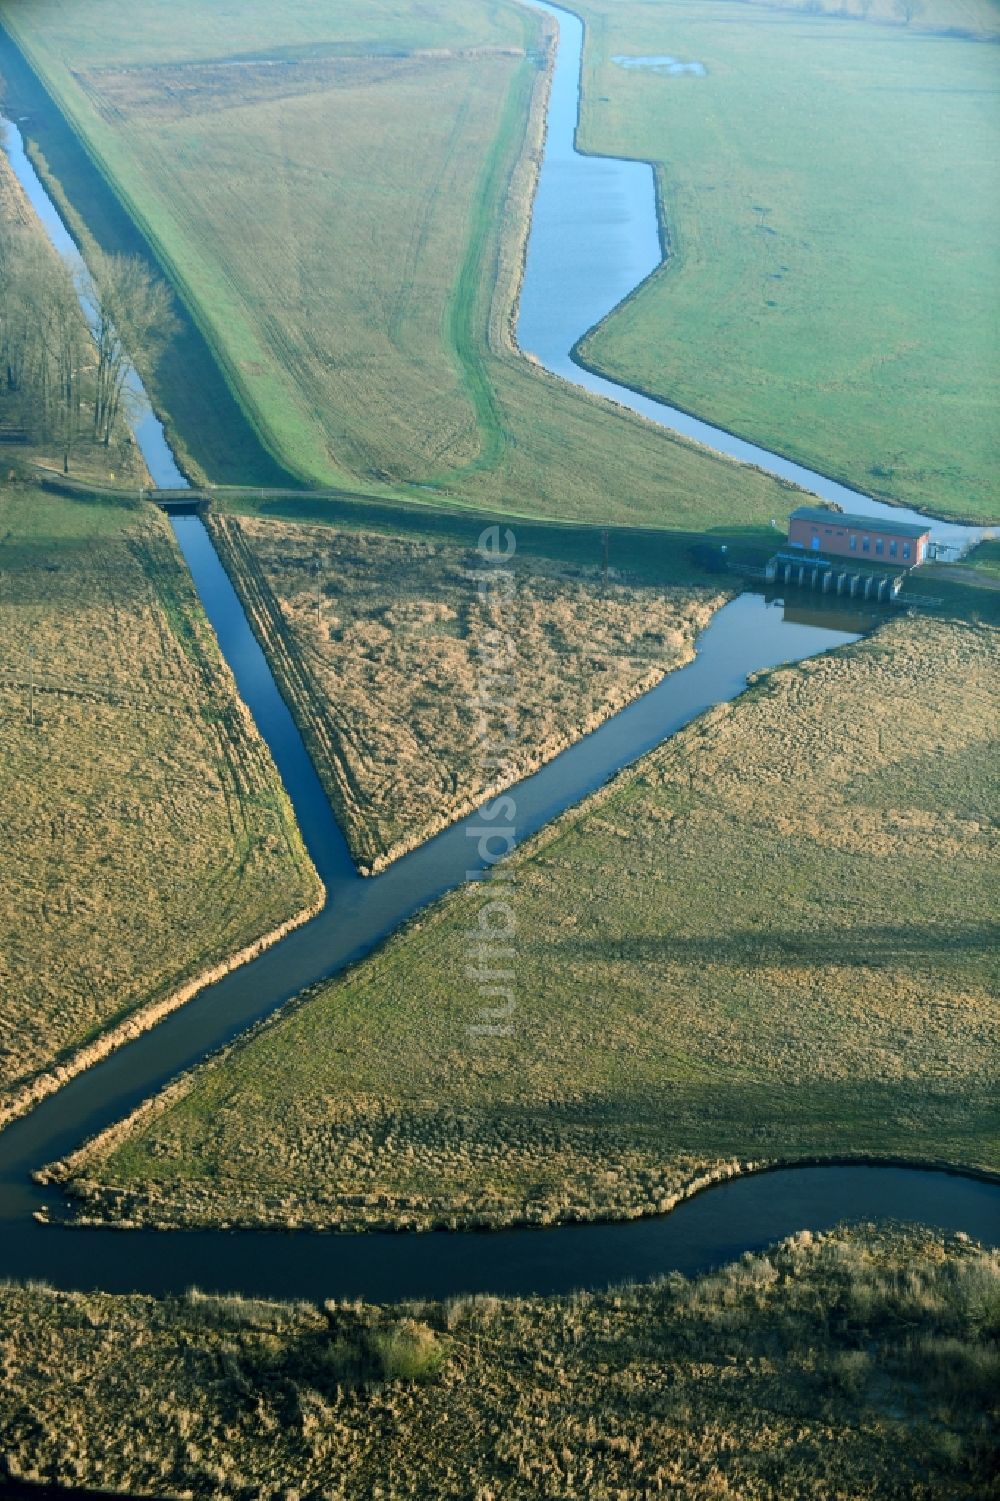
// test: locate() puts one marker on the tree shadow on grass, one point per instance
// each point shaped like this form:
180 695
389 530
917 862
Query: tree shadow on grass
860 946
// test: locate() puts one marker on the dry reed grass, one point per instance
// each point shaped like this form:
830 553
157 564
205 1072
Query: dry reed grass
146 836
852 1363
770 939
381 643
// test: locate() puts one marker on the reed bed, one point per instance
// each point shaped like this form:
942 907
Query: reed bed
852 1363
146 835
392 657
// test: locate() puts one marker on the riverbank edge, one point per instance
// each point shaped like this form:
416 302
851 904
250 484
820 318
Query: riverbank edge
78 230
513 222
65 1172
90 1194
511 265
667 230
147 1016
304 701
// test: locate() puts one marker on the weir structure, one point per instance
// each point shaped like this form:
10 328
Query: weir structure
828 577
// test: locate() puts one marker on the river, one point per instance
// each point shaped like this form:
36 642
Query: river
748 635
594 238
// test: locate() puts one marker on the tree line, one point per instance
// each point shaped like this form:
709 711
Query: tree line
63 374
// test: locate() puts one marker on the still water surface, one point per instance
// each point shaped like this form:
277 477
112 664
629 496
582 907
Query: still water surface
594 237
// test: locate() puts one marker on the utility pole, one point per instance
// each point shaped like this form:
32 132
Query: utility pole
605 543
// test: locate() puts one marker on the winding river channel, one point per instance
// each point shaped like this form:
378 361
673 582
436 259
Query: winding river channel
612 222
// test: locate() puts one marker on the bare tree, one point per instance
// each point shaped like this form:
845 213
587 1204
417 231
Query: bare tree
44 348
907 9
69 353
21 273
132 318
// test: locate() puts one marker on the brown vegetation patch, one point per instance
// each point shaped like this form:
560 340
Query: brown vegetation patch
852 1363
771 939
146 837
380 645
177 89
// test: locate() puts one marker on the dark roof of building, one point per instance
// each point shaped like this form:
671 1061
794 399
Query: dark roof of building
859 523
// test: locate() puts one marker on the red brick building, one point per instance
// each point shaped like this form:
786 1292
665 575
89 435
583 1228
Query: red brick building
864 539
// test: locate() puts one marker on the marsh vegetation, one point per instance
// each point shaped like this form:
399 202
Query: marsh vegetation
771 938
851 1363
146 835
383 646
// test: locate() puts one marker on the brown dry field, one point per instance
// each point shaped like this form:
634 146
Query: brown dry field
145 835
383 645
851 1364
772 939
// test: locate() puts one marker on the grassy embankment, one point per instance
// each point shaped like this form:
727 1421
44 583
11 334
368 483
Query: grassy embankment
826 297
771 939
186 384
146 836
381 646
348 223
853 1363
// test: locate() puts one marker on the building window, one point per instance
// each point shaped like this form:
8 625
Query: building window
854 543
892 548
906 549
866 544
879 544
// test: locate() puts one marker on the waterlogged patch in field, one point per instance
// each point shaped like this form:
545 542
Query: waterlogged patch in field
829 199
672 67
847 1364
384 646
773 938
343 196
145 833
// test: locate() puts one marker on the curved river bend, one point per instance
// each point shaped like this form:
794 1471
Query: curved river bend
746 636
594 237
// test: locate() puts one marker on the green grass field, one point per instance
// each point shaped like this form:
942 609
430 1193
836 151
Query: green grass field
146 835
830 192
852 1363
351 247
727 955
826 299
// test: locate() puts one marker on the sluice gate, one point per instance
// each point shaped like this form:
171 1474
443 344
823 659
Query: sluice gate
826 577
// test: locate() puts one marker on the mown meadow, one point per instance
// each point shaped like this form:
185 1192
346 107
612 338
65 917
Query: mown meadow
146 836
387 649
828 193
341 198
773 938
853 1363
